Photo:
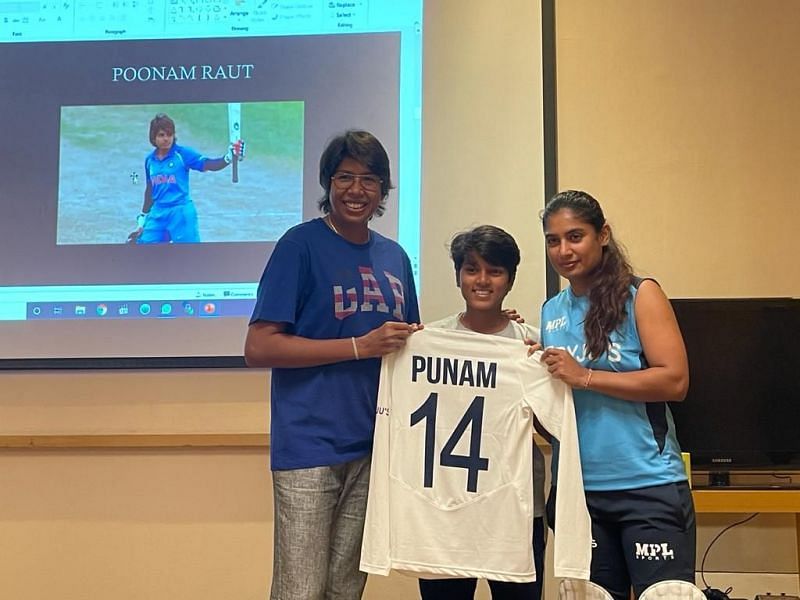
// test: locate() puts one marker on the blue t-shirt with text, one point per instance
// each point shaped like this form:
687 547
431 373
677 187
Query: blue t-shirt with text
323 287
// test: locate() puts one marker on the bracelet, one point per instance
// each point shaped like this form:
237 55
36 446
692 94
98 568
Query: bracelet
355 348
588 380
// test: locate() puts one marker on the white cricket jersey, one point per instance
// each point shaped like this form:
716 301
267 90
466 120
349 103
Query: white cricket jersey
450 488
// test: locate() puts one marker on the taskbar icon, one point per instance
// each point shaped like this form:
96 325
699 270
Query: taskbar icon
140 309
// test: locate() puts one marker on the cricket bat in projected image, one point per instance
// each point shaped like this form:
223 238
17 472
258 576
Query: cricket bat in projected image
234 135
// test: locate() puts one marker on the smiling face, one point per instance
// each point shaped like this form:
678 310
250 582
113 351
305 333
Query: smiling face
353 207
483 286
574 247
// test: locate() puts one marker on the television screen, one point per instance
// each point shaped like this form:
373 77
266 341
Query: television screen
743 405
80 84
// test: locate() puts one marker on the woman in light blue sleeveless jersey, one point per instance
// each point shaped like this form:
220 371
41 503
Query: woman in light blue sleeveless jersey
613 337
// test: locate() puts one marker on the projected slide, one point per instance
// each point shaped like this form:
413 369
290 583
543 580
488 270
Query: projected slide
112 142
78 99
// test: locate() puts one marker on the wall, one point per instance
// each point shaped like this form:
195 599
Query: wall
482 156
680 117
132 523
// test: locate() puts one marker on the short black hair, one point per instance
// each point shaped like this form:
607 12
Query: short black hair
363 147
492 244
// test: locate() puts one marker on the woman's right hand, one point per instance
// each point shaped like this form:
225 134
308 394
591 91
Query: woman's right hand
133 236
383 340
563 366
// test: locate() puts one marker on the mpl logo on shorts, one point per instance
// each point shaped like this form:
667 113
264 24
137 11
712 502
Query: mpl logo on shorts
654 552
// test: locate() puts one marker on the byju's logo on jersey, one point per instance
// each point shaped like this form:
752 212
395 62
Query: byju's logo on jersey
556 324
654 552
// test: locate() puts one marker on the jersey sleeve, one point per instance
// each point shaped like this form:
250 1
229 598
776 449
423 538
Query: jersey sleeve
376 543
192 158
280 290
552 403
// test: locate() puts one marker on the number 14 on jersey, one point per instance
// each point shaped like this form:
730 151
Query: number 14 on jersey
473 462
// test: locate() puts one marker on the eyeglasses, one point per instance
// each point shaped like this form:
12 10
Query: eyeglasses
369 182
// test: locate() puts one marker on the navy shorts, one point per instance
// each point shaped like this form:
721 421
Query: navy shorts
640 537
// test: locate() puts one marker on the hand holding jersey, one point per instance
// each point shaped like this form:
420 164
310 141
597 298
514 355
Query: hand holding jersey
562 365
383 340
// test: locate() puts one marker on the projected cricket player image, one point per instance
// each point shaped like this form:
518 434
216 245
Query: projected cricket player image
168 212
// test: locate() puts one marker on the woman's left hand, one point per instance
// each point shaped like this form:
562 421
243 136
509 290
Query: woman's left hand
562 366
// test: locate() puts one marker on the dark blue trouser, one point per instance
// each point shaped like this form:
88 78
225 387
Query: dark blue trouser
464 589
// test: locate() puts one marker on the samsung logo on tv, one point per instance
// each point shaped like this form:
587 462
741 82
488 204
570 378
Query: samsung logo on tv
721 460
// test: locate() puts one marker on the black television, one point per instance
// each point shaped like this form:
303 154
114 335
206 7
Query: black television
742 411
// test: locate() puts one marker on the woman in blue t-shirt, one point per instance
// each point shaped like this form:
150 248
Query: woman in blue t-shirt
334 298
614 338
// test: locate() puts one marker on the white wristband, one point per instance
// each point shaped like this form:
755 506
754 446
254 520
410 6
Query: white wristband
140 219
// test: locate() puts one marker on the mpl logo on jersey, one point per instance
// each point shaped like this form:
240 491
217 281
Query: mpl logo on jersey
556 324
648 551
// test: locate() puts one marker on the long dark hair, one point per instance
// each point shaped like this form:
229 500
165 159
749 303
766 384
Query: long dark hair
610 289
